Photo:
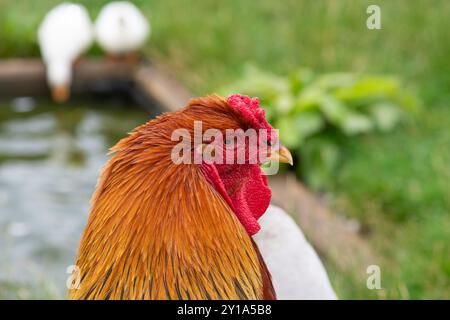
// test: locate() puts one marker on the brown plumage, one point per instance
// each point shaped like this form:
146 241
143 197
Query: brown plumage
158 230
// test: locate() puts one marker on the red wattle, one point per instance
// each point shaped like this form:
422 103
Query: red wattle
244 188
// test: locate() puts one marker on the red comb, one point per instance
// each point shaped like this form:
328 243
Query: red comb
250 110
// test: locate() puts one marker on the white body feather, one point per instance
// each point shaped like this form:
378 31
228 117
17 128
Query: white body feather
65 33
297 272
121 28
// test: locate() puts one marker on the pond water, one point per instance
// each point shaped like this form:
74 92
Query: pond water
50 158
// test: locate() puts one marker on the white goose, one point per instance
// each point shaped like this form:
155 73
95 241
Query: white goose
297 272
121 29
65 33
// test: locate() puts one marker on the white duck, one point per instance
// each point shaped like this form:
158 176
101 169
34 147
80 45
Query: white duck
121 29
64 35
297 272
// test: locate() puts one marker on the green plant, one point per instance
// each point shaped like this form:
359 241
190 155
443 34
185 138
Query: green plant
316 112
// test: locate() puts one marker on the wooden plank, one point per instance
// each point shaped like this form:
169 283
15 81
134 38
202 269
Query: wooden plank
26 77
92 74
22 77
161 86
333 237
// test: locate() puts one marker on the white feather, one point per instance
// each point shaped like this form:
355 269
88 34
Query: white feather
121 28
64 34
297 272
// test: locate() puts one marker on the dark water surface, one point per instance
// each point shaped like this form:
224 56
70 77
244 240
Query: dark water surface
50 157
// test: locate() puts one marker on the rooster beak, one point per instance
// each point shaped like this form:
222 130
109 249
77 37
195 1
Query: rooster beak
282 155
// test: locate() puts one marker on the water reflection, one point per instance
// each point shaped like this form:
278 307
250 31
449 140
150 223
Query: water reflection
50 157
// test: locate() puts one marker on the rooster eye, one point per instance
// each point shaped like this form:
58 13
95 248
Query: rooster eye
269 143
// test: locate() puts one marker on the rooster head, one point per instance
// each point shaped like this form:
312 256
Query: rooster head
233 150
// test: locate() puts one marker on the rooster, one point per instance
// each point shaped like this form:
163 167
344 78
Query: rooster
164 230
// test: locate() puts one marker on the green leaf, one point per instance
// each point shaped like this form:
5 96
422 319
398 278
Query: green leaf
290 134
309 123
284 103
334 110
294 130
309 99
255 82
356 123
319 158
300 79
369 88
338 114
385 115
335 80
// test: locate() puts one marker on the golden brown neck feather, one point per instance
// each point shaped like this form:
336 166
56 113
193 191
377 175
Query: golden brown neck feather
159 231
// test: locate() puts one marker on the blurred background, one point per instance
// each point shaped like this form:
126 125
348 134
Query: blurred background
366 112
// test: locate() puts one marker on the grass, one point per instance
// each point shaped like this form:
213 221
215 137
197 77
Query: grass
396 185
